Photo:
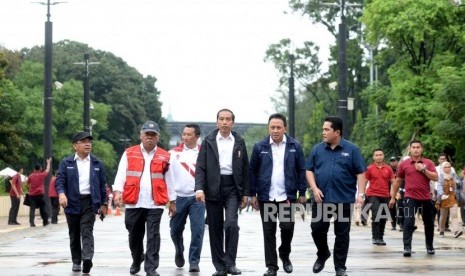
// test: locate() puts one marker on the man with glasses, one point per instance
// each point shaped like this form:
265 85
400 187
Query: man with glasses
80 185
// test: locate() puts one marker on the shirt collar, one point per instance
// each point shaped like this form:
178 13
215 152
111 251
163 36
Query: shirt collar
221 138
185 148
76 157
280 143
143 149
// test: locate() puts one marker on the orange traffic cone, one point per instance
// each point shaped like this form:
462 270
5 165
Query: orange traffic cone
118 211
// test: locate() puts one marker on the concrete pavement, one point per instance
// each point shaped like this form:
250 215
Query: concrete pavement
45 251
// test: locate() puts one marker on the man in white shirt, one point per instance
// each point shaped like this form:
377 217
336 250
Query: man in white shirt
184 159
277 174
144 184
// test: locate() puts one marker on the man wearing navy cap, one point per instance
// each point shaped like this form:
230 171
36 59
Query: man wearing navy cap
144 184
80 185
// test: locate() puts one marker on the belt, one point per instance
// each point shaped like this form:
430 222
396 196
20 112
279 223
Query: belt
84 196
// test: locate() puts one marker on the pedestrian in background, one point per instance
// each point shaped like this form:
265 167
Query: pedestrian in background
380 177
16 191
277 174
393 163
144 184
335 171
184 158
417 172
221 180
53 195
80 185
35 183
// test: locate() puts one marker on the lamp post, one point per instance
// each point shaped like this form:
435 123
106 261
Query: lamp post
86 63
48 100
291 98
342 65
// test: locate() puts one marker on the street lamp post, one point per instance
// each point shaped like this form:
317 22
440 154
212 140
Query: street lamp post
48 99
86 63
291 99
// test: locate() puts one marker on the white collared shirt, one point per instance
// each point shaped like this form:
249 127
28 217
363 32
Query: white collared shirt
225 152
83 166
183 169
277 188
145 194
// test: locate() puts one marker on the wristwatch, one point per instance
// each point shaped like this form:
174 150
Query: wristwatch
423 170
362 195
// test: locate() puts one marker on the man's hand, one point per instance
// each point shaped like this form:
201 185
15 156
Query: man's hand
200 196
172 209
360 199
245 199
318 195
63 200
254 203
117 198
392 202
302 200
103 211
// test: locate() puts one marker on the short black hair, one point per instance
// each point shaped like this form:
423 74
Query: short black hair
278 116
377 149
336 123
37 167
414 141
18 168
228 110
196 128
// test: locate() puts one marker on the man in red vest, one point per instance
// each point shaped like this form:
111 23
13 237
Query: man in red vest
141 185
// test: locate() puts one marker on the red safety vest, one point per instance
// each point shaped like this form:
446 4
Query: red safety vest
158 167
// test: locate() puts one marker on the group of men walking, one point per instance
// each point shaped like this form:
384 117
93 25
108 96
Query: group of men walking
217 178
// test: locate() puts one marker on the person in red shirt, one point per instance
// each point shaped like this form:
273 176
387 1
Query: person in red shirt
35 184
380 177
52 194
16 192
417 172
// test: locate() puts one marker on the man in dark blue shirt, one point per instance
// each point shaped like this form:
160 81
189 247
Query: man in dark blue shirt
335 171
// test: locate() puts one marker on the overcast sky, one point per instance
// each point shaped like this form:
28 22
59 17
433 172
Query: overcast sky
206 54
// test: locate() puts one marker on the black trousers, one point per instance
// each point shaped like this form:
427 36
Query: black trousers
136 220
411 207
37 201
320 226
55 208
270 213
223 228
13 214
81 227
378 208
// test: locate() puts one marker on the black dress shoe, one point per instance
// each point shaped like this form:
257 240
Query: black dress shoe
220 273
320 264
76 267
86 265
135 267
270 272
379 242
407 252
430 250
179 259
194 268
287 265
153 273
341 272
233 270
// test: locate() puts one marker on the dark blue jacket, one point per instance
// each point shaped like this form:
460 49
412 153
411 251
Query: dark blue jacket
261 168
67 182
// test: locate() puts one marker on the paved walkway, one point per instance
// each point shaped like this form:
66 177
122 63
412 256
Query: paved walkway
44 251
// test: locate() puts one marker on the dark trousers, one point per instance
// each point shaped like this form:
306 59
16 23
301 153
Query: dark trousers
188 206
37 201
136 220
270 213
55 209
320 226
411 207
379 206
13 215
81 227
400 211
223 228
